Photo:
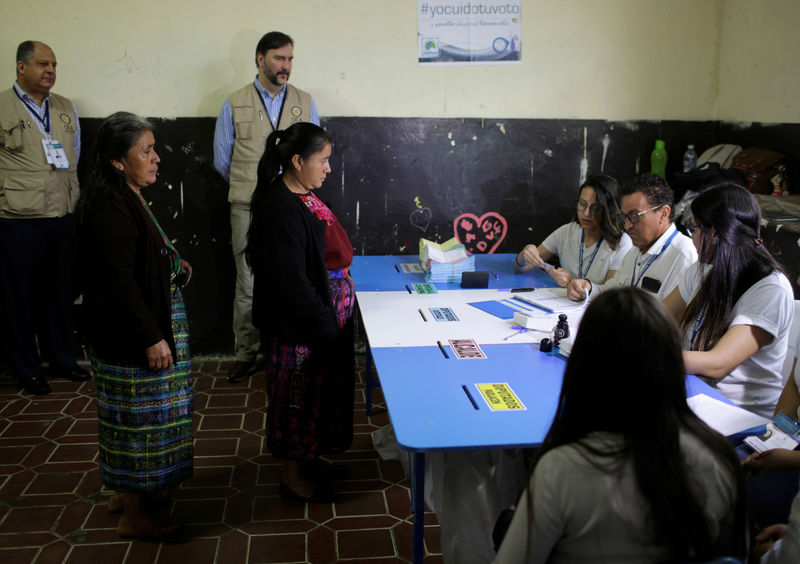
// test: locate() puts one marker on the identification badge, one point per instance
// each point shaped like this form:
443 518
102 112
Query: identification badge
55 154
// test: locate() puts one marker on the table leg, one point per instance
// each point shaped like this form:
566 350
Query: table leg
368 379
418 505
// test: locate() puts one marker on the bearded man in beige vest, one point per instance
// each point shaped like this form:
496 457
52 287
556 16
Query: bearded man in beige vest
39 149
247 117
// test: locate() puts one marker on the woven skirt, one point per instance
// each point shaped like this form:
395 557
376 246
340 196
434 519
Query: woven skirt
145 418
310 392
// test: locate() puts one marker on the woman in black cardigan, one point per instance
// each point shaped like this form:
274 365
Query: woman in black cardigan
137 330
303 301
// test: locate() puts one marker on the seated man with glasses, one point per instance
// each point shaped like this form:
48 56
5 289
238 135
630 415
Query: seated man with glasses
660 255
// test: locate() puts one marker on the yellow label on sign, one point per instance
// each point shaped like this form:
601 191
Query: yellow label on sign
500 397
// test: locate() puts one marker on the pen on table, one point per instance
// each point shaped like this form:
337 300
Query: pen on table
522 290
407 288
441 348
423 315
519 331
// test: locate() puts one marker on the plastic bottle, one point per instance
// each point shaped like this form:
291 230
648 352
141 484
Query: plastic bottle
658 160
689 159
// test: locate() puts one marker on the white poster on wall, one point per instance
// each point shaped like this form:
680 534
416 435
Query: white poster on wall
469 32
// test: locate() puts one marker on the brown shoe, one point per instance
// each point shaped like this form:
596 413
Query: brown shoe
126 530
116 503
240 370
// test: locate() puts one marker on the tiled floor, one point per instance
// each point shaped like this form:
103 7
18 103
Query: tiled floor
53 507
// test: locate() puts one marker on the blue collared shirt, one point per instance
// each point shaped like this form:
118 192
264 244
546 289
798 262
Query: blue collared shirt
38 119
224 132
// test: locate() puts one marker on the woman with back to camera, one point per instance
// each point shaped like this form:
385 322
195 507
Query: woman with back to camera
592 245
137 330
303 300
735 306
627 472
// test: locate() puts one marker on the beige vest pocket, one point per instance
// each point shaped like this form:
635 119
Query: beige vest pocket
243 117
11 134
16 200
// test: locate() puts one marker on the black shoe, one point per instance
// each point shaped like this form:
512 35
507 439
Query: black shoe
240 371
321 494
74 373
37 386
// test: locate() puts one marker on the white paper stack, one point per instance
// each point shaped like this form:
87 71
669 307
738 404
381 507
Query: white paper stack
724 418
444 262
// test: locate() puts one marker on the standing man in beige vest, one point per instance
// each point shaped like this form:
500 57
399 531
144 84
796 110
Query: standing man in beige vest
247 117
39 149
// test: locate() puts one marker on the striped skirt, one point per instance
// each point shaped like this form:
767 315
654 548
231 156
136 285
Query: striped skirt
310 392
145 418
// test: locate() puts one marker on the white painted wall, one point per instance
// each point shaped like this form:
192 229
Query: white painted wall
605 59
759 70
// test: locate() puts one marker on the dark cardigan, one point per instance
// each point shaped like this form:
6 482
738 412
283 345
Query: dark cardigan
291 297
125 271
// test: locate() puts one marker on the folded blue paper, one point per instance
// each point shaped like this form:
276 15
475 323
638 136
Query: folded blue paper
495 308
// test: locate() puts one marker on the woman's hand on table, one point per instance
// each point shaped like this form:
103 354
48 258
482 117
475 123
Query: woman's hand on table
578 289
561 276
528 257
159 356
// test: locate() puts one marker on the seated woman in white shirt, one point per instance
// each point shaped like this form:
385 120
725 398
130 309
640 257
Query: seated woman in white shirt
735 306
628 473
592 245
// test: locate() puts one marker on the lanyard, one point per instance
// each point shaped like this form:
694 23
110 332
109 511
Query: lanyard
664 248
697 323
35 111
280 113
175 258
581 273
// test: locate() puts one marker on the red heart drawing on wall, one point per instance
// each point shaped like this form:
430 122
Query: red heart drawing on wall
480 235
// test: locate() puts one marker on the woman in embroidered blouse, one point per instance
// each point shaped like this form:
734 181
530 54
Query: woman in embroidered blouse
592 245
735 306
137 330
303 305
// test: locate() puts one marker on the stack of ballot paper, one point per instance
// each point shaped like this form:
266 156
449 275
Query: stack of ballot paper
444 262
724 418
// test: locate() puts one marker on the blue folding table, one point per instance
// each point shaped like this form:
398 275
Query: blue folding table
432 399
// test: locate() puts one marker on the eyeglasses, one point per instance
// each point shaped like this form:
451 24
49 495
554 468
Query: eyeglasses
593 208
692 228
633 216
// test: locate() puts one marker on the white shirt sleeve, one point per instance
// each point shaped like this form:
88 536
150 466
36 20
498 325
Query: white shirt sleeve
764 305
690 282
618 255
556 241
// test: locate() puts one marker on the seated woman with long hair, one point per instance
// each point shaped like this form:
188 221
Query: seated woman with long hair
590 246
735 306
627 472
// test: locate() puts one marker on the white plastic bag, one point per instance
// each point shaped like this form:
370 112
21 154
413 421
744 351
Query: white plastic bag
468 490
